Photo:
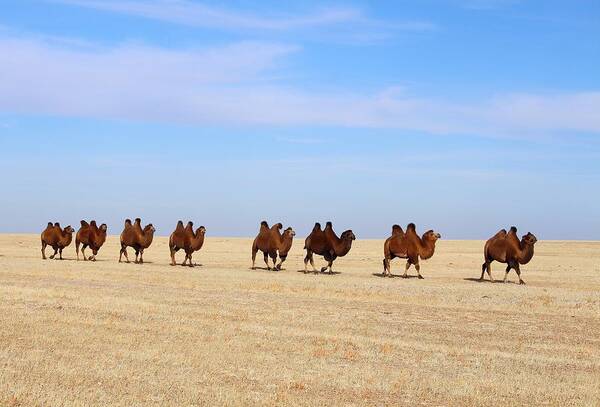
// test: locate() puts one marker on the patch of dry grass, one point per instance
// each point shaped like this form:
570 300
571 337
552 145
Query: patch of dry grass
104 333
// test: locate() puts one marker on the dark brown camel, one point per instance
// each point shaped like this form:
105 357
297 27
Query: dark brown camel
186 239
506 248
136 237
408 246
327 244
56 238
272 243
90 235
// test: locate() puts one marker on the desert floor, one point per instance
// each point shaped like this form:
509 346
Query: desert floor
103 333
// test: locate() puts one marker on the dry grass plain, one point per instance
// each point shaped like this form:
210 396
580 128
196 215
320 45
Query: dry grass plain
75 333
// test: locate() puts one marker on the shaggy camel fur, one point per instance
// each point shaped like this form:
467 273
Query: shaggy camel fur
506 248
408 246
90 235
272 243
186 239
56 238
136 237
327 244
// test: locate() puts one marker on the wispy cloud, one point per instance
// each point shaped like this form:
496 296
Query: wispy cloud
232 85
348 25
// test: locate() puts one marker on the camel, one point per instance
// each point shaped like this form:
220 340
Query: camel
186 239
272 243
57 238
506 248
327 244
408 245
136 237
90 235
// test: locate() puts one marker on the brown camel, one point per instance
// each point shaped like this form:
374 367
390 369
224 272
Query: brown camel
186 239
408 246
136 237
56 238
506 248
90 235
272 243
327 244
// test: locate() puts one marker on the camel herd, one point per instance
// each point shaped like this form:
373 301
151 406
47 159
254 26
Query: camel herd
503 247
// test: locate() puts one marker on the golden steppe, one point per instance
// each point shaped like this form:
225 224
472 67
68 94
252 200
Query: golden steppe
104 333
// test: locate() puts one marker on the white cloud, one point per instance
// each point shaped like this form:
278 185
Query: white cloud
231 85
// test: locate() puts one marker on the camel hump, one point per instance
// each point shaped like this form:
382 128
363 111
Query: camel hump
93 224
317 226
180 223
57 225
127 223
84 224
138 220
513 229
50 224
411 226
329 224
190 224
278 226
397 230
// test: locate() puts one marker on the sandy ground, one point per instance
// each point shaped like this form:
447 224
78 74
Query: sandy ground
81 333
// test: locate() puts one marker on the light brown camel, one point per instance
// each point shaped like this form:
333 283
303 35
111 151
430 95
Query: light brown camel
56 238
136 237
272 243
90 235
506 248
327 244
186 239
408 246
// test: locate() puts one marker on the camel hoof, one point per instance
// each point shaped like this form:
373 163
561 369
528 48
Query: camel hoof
252 268
521 282
324 269
421 277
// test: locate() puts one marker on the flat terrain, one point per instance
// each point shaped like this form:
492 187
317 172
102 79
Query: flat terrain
81 333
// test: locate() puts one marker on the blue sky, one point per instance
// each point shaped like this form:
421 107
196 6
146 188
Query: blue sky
464 116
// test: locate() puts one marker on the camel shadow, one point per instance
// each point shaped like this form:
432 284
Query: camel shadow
264 269
381 275
333 273
476 280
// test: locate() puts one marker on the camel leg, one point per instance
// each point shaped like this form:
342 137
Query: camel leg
489 271
254 251
60 253
484 267
387 267
405 275
77 250
123 252
418 267
329 265
173 250
266 258
190 260
518 270
55 251
83 252
506 274
274 258
44 250
93 256
281 260
141 256
306 260
137 253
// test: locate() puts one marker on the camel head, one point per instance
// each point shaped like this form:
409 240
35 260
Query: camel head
348 235
529 239
431 236
103 227
149 228
69 229
200 231
289 232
